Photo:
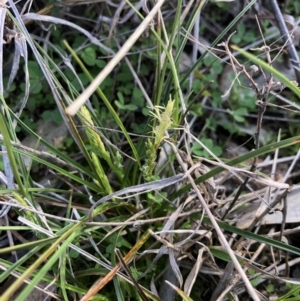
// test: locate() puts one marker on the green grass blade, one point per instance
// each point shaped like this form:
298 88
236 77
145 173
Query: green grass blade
68 237
28 245
256 237
106 102
13 266
270 69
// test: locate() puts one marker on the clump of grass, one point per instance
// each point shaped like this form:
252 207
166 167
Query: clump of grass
108 229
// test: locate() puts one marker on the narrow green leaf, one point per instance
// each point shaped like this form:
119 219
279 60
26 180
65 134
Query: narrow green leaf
270 69
256 237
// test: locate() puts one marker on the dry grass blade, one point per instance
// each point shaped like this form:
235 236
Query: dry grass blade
191 278
171 221
221 288
103 281
174 265
116 18
132 218
20 50
155 185
137 286
162 251
12 34
7 165
54 20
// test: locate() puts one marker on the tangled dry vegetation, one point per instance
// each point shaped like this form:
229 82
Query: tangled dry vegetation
149 150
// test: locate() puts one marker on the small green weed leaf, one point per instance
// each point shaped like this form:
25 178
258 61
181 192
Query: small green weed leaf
249 37
146 111
255 281
186 225
134 272
32 125
120 242
239 118
100 63
220 253
47 115
12 87
73 253
238 114
34 70
211 123
138 96
223 5
121 98
117 241
106 83
157 198
79 41
109 249
197 109
131 107
144 70
197 85
216 98
241 111
270 288
230 127
37 87
199 151
246 100
120 105
126 89
241 29
89 56
209 60
137 128
251 272
83 78
56 117
52 115
33 102
236 39
217 67
124 76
